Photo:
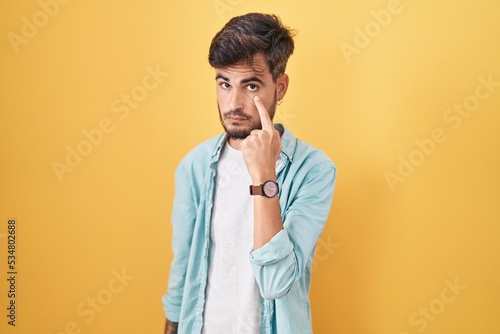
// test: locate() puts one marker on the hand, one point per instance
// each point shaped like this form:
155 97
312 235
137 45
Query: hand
171 327
262 147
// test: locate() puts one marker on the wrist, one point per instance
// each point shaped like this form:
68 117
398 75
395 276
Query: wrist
260 178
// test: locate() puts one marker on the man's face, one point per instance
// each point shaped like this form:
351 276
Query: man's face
236 87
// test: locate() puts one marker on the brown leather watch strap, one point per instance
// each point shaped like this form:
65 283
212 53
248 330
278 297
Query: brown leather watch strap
255 190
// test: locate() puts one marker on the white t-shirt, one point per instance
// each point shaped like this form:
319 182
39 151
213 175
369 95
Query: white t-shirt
233 302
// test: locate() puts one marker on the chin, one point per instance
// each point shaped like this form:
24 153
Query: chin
237 132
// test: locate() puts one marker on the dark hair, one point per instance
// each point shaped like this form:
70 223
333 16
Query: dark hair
245 36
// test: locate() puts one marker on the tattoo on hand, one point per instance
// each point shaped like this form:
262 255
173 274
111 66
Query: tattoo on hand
171 327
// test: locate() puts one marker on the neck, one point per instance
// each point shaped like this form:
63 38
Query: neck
235 143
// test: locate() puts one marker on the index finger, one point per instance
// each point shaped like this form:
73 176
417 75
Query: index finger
265 120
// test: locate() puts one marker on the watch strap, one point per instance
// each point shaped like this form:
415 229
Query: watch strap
256 190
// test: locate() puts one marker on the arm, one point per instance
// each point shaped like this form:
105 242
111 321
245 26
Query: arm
267 218
282 249
260 151
281 262
183 218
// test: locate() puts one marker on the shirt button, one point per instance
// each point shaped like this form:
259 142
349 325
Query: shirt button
198 313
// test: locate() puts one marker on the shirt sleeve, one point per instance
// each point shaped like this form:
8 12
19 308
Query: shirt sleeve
282 261
183 219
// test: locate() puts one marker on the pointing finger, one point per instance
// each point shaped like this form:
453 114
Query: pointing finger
265 120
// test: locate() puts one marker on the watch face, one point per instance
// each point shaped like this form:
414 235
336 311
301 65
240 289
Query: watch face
270 188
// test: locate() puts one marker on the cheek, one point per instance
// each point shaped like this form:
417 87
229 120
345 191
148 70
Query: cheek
221 97
268 103
267 96
223 102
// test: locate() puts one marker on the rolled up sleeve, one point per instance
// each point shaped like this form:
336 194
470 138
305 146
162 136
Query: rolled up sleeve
273 264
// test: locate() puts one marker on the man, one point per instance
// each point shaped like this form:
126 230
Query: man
250 204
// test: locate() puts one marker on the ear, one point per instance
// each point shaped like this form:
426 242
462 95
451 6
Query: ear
282 86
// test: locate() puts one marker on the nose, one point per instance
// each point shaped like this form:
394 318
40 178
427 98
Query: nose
236 100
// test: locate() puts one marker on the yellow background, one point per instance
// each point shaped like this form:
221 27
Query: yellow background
386 254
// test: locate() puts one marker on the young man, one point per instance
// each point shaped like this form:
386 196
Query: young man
250 204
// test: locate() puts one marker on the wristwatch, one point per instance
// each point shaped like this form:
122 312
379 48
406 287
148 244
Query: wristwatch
267 189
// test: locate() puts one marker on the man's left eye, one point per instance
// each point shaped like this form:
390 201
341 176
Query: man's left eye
253 87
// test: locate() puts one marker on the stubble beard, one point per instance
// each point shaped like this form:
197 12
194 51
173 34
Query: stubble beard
238 131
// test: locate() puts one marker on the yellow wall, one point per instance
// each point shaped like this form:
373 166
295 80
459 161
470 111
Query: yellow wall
396 92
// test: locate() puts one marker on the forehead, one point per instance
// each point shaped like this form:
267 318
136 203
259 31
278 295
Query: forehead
258 68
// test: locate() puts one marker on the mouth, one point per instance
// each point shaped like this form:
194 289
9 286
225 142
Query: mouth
237 118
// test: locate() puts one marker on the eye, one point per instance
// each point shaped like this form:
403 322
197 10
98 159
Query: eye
224 84
252 87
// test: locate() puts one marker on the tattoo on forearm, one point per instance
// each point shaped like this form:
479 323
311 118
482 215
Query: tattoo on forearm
171 327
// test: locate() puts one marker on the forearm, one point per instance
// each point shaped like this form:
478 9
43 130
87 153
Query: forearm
283 260
267 220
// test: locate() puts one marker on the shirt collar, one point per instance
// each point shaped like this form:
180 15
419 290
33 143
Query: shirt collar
288 143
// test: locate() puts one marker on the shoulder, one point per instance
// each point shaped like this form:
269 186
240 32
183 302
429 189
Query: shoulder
304 154
201 155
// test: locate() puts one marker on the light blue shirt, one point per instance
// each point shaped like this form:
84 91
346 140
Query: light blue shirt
282 267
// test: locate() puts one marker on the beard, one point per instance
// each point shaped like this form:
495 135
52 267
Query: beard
237 130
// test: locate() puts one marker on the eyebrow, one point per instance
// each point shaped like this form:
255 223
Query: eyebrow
244 81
